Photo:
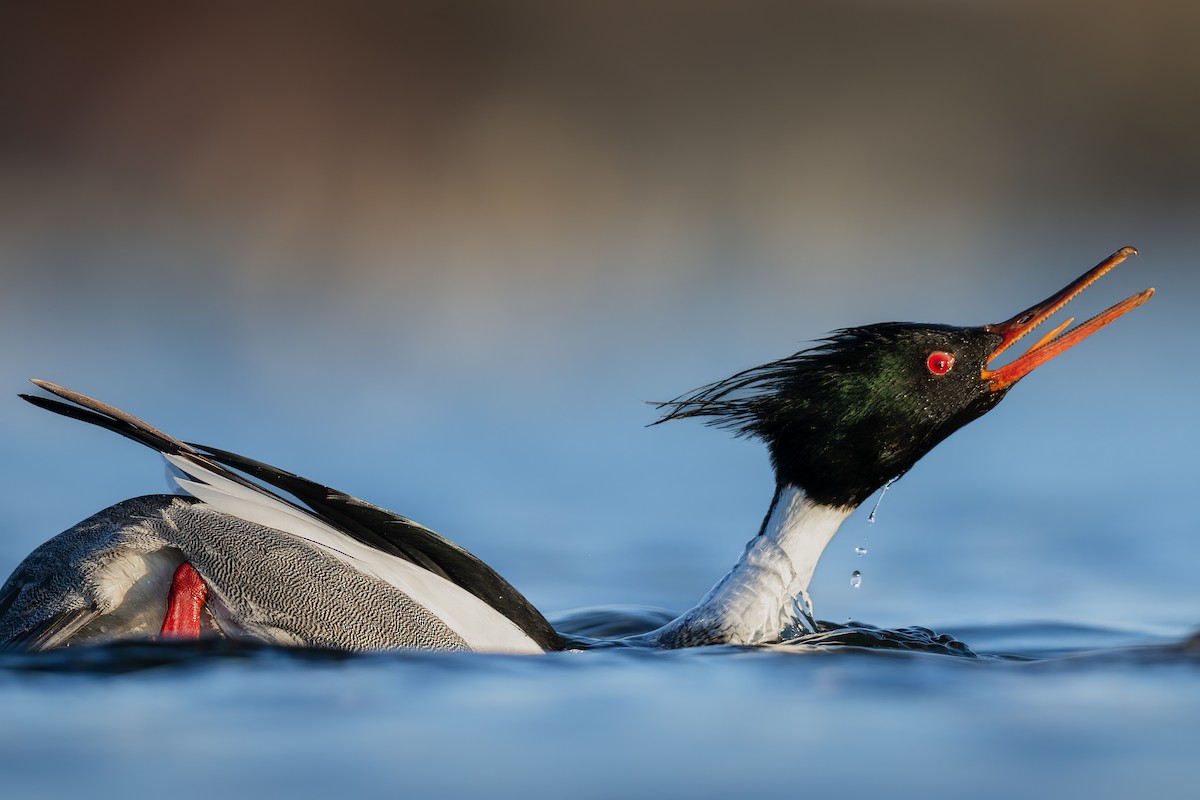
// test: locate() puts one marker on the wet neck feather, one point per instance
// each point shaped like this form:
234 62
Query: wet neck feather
757 600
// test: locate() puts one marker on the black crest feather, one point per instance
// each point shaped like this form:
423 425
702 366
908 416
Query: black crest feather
743 402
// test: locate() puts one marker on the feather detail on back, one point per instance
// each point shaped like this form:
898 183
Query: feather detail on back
468 596
481 626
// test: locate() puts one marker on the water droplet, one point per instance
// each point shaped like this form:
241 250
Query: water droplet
860 551
878 500
855 579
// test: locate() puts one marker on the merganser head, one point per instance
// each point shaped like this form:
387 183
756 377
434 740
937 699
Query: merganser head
864 405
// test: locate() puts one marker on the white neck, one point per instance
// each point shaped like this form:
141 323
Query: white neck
759 597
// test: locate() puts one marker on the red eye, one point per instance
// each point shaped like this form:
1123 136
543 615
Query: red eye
940 363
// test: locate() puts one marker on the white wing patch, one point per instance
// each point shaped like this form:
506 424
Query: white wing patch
481 626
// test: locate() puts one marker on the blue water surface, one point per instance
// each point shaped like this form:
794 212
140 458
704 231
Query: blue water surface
705 723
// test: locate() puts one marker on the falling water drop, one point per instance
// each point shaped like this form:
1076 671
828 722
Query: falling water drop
855 579
878 500
860 551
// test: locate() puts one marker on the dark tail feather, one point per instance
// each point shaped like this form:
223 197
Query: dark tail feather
94 412
90 410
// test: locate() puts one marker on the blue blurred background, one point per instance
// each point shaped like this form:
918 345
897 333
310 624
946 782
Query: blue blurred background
438 255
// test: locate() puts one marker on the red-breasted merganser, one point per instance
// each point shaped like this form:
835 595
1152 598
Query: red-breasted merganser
234 557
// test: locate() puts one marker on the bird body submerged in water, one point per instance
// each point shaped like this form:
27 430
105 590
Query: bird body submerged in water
235 556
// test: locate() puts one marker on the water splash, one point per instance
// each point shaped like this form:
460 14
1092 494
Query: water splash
878 500
803 619
860 551
855 579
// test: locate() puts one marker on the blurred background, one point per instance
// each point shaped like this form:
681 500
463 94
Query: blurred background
437 255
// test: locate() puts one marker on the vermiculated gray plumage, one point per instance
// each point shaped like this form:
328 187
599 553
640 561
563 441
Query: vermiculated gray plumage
288 591
319 568
344 525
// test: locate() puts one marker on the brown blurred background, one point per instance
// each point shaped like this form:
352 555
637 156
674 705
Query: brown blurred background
481 152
